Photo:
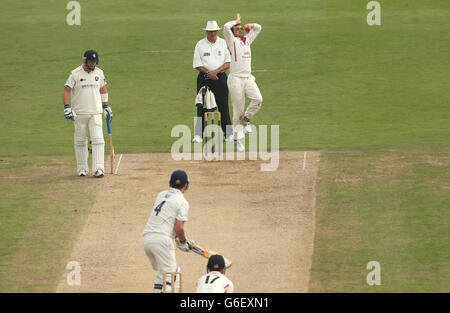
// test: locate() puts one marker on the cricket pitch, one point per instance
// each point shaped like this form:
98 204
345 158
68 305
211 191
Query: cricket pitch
260 220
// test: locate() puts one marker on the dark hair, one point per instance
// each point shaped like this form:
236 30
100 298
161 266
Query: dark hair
232 28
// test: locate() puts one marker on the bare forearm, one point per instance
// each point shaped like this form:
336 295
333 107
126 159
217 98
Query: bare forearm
202 69
181 235
66 95
179 230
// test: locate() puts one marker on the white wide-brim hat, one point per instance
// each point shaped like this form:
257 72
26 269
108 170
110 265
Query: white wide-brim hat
211 26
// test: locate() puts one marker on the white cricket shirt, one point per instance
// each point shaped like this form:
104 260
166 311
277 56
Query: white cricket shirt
85 93
170 205
241 54
214 282
211 55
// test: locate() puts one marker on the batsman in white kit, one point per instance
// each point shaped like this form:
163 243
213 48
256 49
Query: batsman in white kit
241 83
215 281
167 218
86 86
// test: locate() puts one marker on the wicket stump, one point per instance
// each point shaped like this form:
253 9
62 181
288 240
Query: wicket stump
173 279
212 116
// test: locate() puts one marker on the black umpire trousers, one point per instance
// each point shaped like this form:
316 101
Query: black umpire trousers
220 89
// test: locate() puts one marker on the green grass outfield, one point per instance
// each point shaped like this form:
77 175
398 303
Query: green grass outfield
332 83
389 206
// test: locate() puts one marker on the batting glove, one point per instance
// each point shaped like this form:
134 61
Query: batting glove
108 113
186 245
68 114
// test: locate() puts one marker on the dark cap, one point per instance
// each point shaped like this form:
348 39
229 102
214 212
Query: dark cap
178 179
90 55
216 262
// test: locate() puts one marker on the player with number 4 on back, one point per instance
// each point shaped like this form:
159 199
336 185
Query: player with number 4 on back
166 221
86 86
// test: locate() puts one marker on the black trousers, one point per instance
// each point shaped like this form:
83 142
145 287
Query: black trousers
220 89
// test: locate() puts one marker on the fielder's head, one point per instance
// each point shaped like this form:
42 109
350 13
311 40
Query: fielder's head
90 59
179 180
238 30
216 263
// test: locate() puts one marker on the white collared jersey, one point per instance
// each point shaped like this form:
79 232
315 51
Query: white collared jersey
85 93
241 54
170 205
214 282
211 55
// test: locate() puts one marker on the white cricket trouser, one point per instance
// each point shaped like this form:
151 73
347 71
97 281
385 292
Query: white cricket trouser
93 122
241 87
160 251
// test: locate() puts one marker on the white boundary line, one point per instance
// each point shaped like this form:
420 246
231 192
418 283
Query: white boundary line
259 71
118 164
304 160
164 51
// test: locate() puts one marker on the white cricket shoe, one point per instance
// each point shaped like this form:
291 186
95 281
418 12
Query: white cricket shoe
229 138
197 139
239 146
99 173
82 173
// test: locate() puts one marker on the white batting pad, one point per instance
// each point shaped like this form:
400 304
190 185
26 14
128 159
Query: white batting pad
81 143
98 143
81 154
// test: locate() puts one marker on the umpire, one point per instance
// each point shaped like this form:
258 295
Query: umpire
211 59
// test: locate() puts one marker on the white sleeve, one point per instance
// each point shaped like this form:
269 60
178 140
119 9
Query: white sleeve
228 34
230 288
254 32
70 81
103 82
199 283
197 58
182 214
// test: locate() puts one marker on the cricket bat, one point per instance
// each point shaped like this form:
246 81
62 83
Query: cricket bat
205 252
112 155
